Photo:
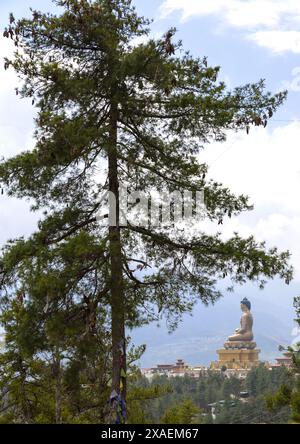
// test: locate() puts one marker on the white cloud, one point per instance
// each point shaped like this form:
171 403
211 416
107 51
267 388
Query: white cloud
235 12
278 41
265 165
272 24
191 8
277 229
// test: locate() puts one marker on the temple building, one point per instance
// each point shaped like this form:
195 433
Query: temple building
286 360
180 368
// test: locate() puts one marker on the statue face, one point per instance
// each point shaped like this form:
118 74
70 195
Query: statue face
244 307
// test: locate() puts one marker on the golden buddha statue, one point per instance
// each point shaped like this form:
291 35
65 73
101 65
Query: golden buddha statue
239 352
244 333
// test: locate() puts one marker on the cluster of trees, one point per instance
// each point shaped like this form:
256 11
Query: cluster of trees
184 413
200 392
288 394
141 113
260 380
189 400
260 384
254 411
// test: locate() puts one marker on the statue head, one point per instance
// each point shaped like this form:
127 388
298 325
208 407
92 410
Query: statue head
245 304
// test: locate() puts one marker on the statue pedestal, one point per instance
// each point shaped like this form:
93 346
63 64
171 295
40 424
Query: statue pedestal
237 357
248 345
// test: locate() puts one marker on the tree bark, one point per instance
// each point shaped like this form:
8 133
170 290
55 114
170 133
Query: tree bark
58 388
117 296
26 410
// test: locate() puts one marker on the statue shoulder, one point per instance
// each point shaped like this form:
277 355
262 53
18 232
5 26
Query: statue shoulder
247 314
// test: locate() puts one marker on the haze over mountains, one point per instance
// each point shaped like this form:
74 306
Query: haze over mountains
198 337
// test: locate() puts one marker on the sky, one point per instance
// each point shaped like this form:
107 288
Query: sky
249 40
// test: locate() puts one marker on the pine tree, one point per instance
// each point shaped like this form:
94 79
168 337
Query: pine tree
48 375
288 394
141 113
142 398
184 413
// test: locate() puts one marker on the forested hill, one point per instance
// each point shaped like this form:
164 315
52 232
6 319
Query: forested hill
190 400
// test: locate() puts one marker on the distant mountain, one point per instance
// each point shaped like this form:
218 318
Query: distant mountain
199 336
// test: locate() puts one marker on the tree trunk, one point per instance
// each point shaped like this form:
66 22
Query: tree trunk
25 406
117 297
58 388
